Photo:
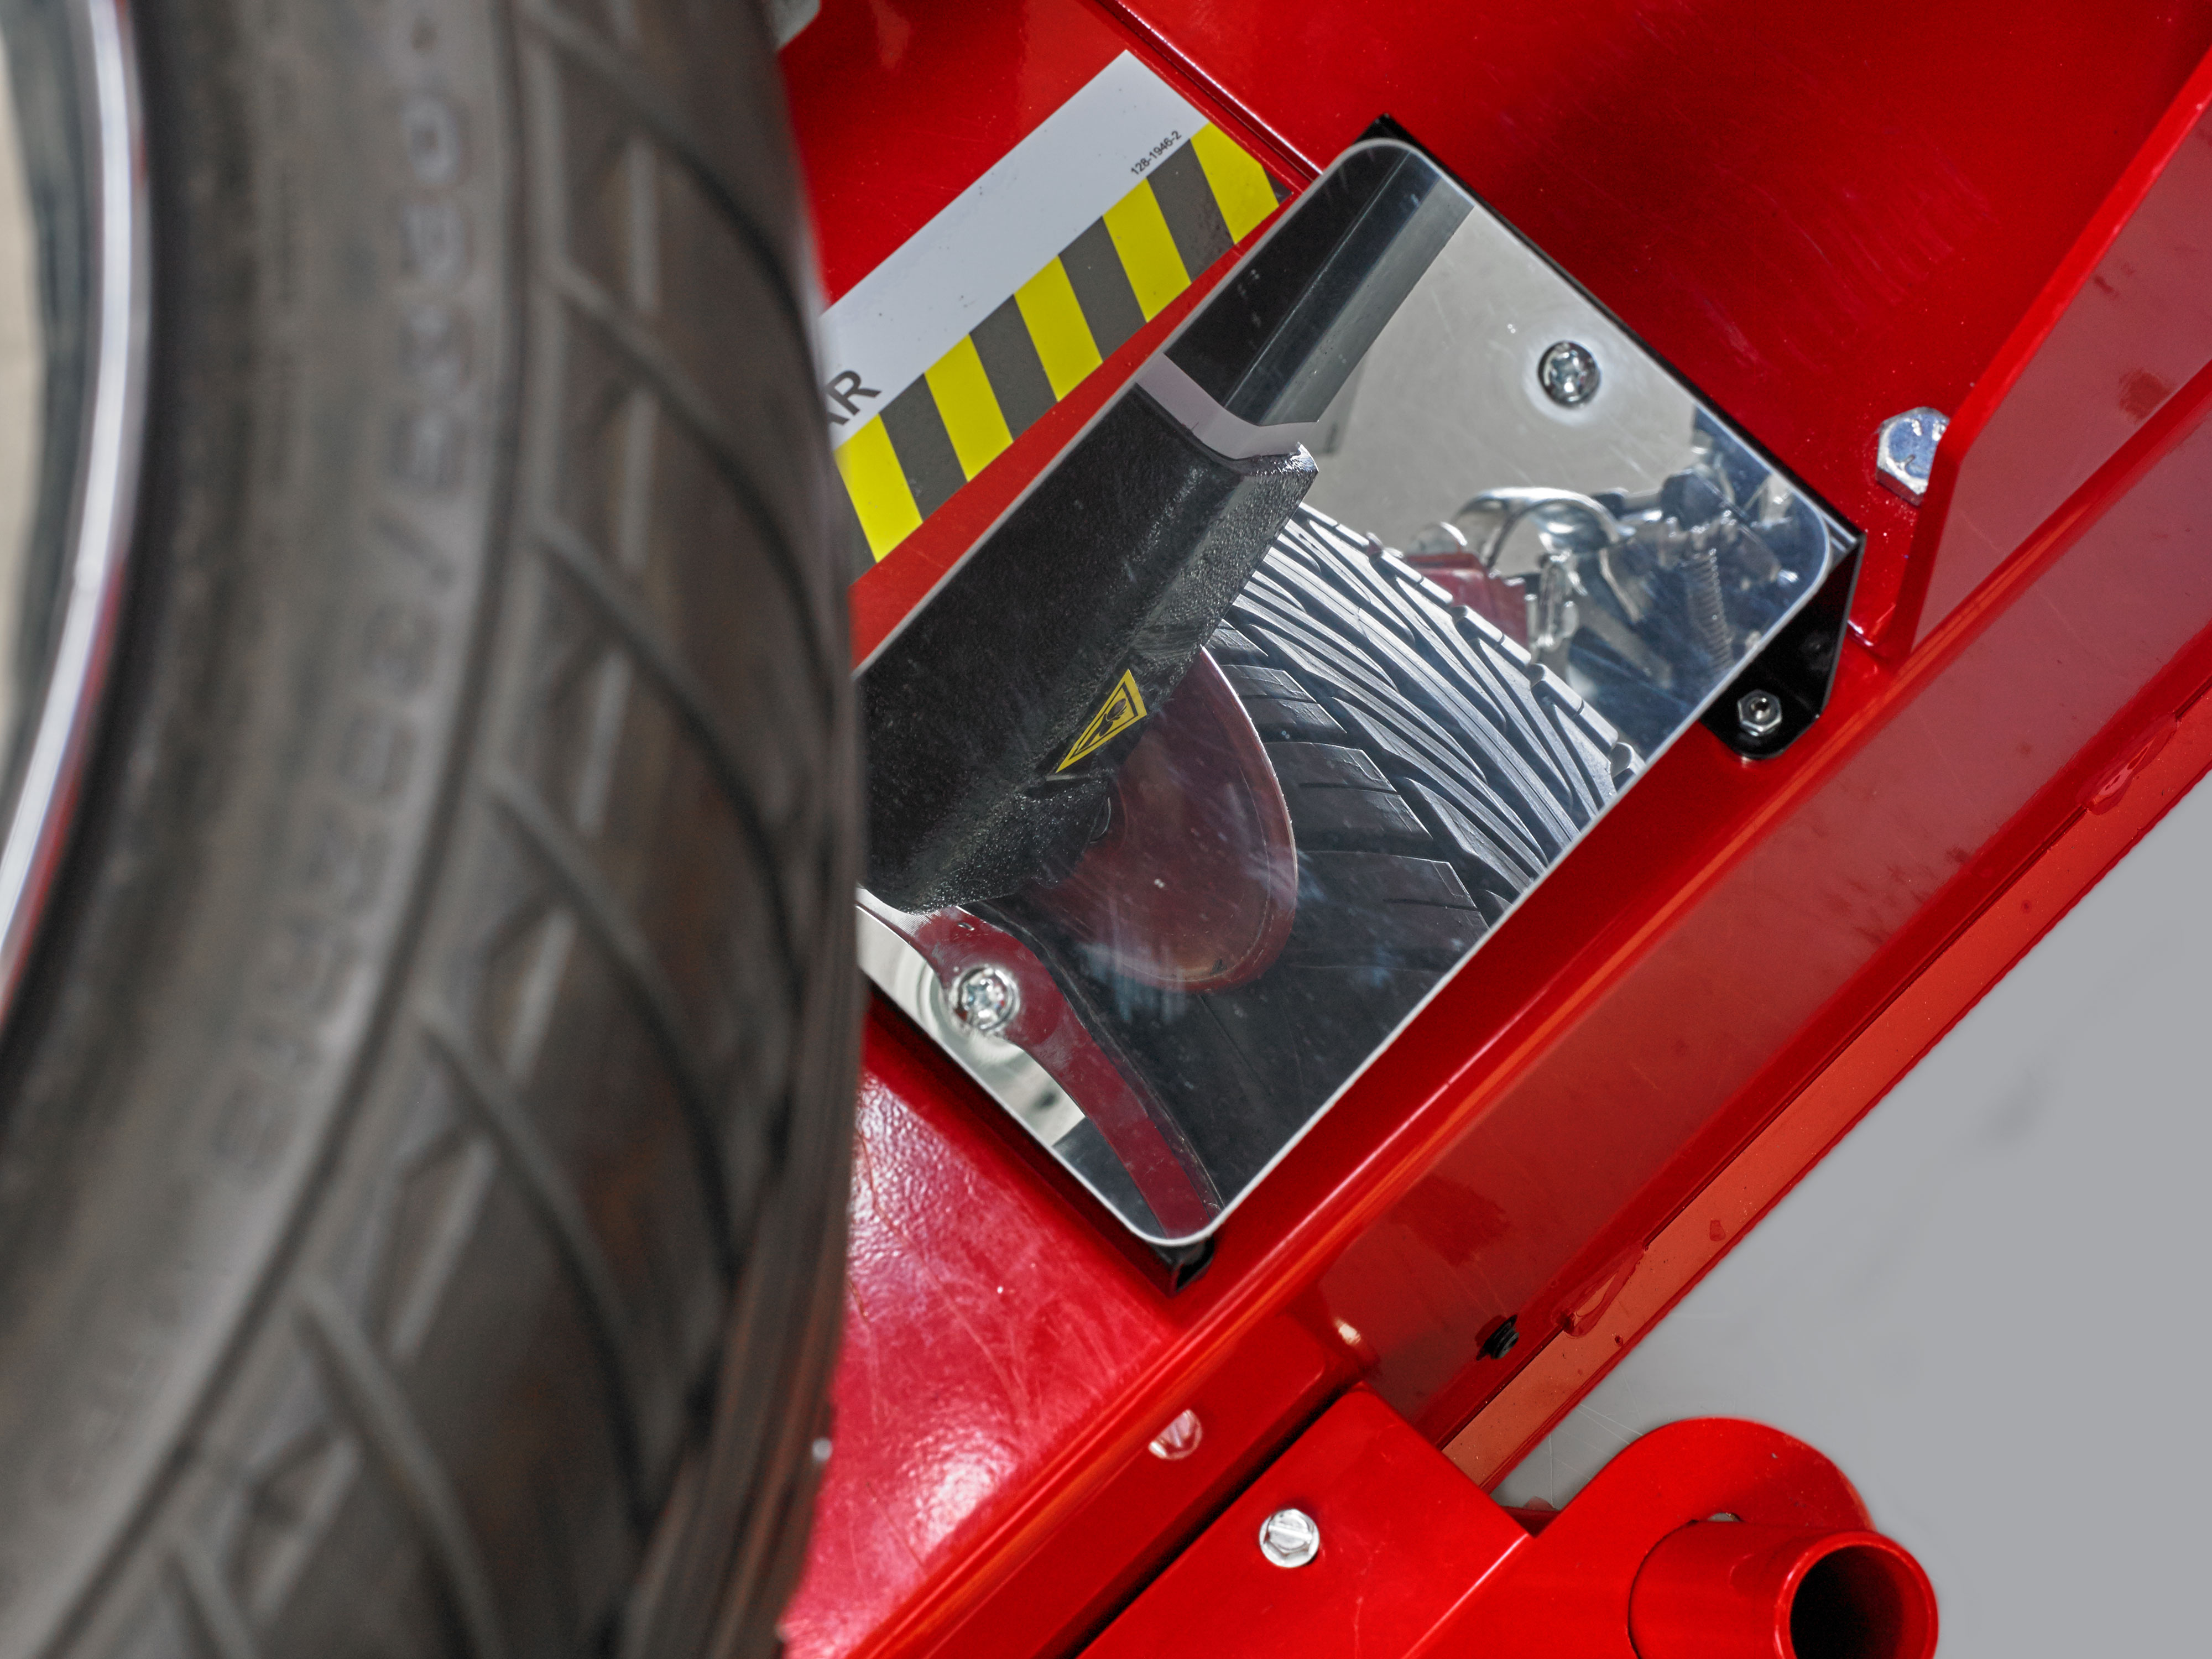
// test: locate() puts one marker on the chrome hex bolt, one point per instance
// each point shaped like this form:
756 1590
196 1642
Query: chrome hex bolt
1905 450
986 999
1290 1538
1759 714
1568 374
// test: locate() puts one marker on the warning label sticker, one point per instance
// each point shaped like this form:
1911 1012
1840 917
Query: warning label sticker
1123 708
1003 304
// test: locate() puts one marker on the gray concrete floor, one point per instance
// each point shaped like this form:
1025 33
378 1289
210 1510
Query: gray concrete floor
1988 1304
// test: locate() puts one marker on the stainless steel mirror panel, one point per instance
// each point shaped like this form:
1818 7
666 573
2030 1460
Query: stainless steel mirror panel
1467 558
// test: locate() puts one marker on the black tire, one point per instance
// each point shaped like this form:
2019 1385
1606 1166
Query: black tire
423 1145
1433 770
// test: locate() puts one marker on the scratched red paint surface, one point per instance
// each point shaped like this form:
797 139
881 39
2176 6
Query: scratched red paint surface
963 1350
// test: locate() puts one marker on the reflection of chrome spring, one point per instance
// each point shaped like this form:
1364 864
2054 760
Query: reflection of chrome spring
1708 625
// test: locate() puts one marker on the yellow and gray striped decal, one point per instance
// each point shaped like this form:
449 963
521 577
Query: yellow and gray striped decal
1193 206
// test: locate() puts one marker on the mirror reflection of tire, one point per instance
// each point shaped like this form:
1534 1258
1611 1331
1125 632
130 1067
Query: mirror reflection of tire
1432 771
423 1144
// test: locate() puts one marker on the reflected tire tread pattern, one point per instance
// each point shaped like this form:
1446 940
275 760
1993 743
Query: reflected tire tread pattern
1408 731
1432 771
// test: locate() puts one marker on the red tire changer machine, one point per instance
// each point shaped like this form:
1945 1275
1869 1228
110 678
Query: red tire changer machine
1474 628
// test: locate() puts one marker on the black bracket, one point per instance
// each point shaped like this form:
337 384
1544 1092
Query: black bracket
1796 669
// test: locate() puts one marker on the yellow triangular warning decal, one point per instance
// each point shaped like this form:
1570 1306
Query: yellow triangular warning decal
1123 708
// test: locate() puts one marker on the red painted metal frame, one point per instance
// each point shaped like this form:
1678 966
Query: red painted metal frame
1414 1560
1820 226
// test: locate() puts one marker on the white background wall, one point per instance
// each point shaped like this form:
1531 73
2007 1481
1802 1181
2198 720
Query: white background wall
1991 1303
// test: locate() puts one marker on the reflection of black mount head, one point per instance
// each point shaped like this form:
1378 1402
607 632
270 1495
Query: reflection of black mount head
996 716
1279 341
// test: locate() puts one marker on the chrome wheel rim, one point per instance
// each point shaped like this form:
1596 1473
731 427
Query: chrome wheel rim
59 721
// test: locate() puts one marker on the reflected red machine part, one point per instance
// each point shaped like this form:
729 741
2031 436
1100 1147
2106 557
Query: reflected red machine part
1745 956
1499 599
1704 1540
1194 884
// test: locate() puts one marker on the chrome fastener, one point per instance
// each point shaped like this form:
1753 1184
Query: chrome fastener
986 999
1905 450
1568 374
1179 1439
1758 714
1290 1538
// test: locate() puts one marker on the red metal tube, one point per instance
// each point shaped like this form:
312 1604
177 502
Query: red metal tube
1728 1589
1415 1562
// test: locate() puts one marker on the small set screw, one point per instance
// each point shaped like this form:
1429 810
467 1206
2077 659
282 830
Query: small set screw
986 999
1568 374
1759 714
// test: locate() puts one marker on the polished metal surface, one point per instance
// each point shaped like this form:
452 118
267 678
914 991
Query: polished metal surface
1591 555
60 728
1905 450
1009 1075
1290 1538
